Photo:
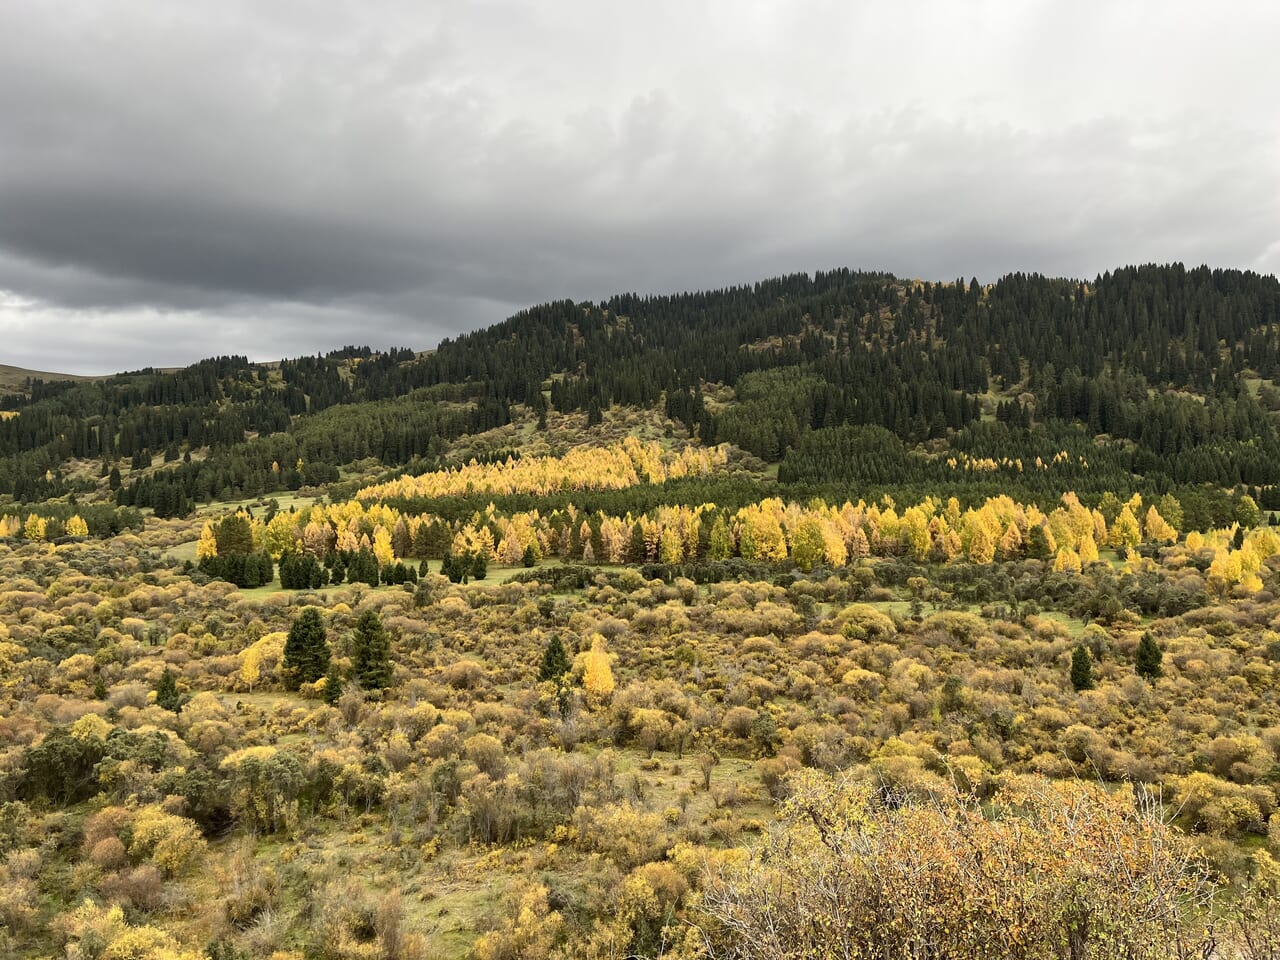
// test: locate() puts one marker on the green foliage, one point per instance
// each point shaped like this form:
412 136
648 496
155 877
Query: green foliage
306 650
167 695
371 652
555 661
1081 668
301 571
1149 658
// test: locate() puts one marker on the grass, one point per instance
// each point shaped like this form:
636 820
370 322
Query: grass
1073 625
13 379
900 608
259 504
259 593
183 551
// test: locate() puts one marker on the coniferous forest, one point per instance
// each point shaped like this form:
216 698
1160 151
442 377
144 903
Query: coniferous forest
836 615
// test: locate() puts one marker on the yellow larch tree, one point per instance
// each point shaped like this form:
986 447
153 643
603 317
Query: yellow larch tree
382 549
1125 532
1156 529
1067 561
34 528
597 675
207 545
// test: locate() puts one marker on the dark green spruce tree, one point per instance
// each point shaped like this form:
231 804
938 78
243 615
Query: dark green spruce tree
306 650
555 661
371 652
167 694
1149 660
1081 668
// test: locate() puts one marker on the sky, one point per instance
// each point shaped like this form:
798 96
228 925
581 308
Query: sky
181 180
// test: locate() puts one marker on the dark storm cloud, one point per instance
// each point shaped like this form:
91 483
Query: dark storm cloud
178 180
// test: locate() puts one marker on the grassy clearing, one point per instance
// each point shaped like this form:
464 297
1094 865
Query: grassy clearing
14 379
1073 625
284 501
183 552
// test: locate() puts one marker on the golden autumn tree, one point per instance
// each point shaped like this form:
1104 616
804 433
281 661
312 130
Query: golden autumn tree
1011 542
1125 532
1224 572
982 544
1156 529
1067 561
34 528
1087 549
207 545
597 674
760 536
382 549
76 527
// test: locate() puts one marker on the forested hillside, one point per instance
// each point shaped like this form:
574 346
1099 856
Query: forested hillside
1163 375
833 616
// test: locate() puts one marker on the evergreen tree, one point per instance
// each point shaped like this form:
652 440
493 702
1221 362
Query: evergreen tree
371 652
479 567
637 550
306 650
1037 544
1081 668
1150 656
555 661
167 694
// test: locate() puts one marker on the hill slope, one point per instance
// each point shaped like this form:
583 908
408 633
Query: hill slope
1172 368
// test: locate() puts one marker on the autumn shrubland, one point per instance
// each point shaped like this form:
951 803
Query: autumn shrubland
833 616
702 719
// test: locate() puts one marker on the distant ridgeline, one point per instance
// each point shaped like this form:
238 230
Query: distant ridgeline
1171 369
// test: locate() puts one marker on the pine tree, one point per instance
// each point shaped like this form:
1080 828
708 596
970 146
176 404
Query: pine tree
1081 668
555 661
371 652
1148 664
306 650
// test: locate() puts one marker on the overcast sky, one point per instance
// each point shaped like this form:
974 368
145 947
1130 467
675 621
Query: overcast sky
278 177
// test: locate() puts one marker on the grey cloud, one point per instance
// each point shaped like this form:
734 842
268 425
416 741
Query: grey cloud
285 177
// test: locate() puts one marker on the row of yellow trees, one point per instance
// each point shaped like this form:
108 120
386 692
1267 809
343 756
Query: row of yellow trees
614 467
35 527
815 533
